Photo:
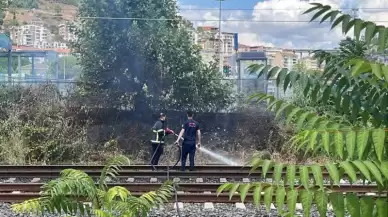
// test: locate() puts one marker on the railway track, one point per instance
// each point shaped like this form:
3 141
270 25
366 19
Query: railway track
195 192
182 197
183 187
187 192
136 171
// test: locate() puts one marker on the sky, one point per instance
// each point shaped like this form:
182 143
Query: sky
279 23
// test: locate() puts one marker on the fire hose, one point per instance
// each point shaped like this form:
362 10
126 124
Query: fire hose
168 172
179 155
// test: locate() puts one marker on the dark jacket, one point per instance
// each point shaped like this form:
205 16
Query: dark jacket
159 132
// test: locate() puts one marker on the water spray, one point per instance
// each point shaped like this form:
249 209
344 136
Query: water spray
218 157
215 155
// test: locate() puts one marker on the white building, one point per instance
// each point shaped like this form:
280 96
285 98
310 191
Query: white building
66 33
289 59
30 34
212 45
46 44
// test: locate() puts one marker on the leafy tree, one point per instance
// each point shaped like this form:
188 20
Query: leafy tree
30 4
69 2
67 195
352 135
144 63
58 10
68 67
4 63
3 5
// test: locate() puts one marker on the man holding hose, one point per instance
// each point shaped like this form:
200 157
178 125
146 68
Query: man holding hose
190 131
157 142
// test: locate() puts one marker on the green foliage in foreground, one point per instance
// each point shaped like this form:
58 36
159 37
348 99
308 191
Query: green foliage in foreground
350 131
350 202
75 193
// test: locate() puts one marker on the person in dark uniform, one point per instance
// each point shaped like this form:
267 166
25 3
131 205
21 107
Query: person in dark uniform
190 131
157 142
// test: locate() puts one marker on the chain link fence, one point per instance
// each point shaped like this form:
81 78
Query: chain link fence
245 86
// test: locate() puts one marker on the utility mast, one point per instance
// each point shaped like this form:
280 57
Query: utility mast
355 13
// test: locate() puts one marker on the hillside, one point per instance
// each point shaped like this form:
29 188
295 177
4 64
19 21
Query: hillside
51 12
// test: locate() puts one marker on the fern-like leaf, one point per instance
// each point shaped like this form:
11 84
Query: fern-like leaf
321 200
350 143
353 204
378 137
333 172
339 144
268 192
307 200
292 197
338 203
112 168
364 170
382 208
366 206
278 172
291 170
317 173
244 191
257 194
374 171
362 142
280 198
349 170
304 176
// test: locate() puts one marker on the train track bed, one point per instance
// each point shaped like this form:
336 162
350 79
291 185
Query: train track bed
139 180
181 187
142 173
193 210
152 179
196 190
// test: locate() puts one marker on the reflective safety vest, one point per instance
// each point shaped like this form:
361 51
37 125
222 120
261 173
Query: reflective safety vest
159 136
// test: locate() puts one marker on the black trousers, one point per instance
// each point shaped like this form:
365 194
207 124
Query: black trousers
156 152
188 149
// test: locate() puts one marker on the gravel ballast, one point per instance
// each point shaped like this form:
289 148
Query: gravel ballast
188 210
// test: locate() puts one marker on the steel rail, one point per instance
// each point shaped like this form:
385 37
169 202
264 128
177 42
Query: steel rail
182 197
129 167
208 171
185 187
132 173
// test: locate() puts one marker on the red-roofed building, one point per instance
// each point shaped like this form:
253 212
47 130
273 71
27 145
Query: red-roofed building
60 51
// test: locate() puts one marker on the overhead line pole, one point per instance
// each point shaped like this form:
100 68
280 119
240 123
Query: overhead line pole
220 50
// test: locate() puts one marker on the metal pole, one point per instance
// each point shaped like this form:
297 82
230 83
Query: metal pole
220 38
19 67
238 75
9 65
33 67
57 67
64 68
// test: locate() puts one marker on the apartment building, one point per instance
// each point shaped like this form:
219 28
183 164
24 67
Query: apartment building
274 55
209 40
311 63
194 37
289 58
65 32
285 58
29 34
